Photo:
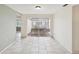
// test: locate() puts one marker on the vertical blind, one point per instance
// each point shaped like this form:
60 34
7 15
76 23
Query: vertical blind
40 23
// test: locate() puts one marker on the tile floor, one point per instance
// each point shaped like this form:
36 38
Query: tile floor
35 45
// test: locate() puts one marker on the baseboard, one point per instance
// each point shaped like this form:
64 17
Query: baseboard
52 36
7 47
70 52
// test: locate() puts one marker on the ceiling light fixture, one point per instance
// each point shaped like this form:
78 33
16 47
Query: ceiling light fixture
38 7
65 5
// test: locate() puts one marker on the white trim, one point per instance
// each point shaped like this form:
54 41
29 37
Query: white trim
70 52
7 47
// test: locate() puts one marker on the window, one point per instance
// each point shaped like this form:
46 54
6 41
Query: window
40 23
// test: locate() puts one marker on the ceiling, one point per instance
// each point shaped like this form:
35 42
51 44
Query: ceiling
30 8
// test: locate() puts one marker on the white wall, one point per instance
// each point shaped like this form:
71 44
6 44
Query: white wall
23 26
29 25
7 26
63 27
